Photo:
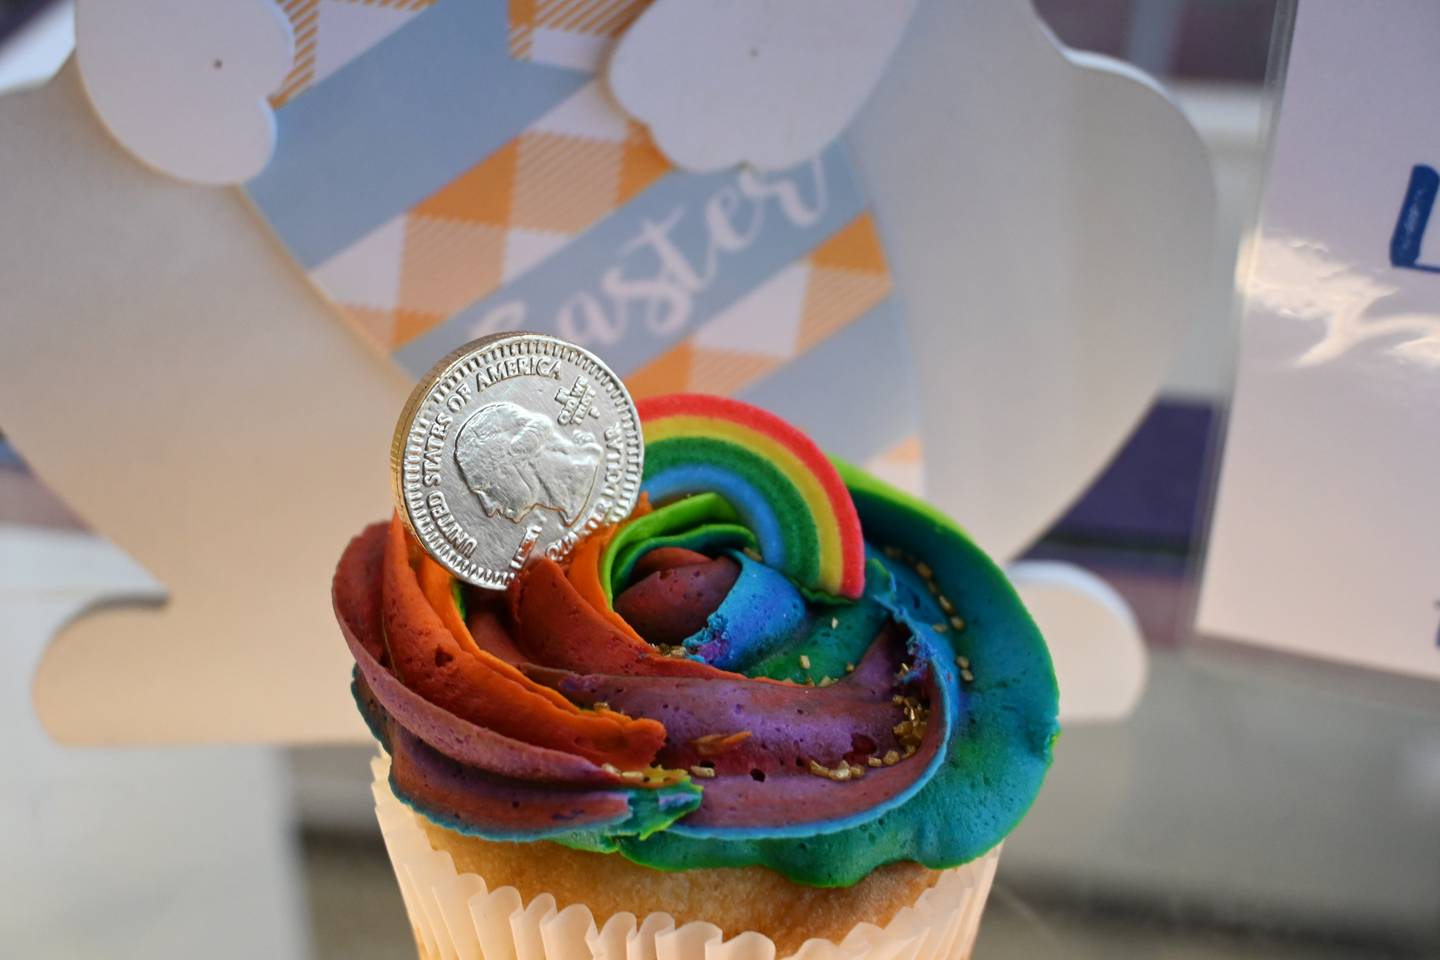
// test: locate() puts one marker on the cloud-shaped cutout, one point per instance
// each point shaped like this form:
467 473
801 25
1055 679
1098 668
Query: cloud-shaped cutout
182 84
764 82
1095 641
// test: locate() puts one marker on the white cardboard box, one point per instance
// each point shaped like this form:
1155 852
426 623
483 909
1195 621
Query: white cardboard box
1326 535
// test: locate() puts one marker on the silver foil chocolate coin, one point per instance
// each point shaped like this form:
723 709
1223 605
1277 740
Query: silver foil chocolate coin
514 445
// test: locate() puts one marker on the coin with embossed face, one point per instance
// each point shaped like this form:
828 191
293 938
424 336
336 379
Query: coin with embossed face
514 445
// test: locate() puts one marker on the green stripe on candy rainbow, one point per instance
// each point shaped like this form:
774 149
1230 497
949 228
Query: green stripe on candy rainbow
779 483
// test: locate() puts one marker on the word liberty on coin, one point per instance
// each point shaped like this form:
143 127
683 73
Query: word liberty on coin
514 443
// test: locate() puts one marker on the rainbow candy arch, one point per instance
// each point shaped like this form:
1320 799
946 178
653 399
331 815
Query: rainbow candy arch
779 482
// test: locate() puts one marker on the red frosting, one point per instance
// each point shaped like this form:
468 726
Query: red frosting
672 602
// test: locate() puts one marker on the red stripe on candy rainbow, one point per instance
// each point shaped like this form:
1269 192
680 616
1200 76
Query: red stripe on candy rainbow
842 548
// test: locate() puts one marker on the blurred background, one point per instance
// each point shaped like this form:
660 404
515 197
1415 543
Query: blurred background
1255 805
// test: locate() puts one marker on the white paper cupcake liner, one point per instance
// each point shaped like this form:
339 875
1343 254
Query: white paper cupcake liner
457 916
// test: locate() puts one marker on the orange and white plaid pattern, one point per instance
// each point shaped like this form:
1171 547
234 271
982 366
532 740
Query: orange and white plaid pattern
802 304
330 33
569 32
578 163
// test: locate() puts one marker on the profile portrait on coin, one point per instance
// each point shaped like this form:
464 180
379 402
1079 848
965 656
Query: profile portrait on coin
515 460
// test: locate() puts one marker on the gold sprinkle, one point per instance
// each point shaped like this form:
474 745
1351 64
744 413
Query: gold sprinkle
600 705
610 768
911 731
818 769
856 771
875 761
826 681
940 628
753 554
841 772
834 622
945 604
712 744
967 676
957 623
891 758
964 662
633 776
892 552
924 570
805 661
704 773
849 668
897 699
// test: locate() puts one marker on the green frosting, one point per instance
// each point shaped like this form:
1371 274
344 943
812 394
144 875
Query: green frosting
837 638
652 810
705 523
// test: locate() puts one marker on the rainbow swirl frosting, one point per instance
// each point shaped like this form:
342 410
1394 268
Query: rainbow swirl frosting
732 677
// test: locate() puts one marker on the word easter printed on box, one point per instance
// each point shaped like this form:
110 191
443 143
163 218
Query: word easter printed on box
655 269
654 280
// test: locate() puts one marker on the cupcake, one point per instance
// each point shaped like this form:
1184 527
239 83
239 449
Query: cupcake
782 707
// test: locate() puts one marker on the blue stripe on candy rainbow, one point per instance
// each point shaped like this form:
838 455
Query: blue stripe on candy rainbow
755 512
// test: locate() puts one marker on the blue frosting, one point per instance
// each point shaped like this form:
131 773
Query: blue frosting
763 610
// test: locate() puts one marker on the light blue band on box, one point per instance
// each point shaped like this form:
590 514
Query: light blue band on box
398 123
